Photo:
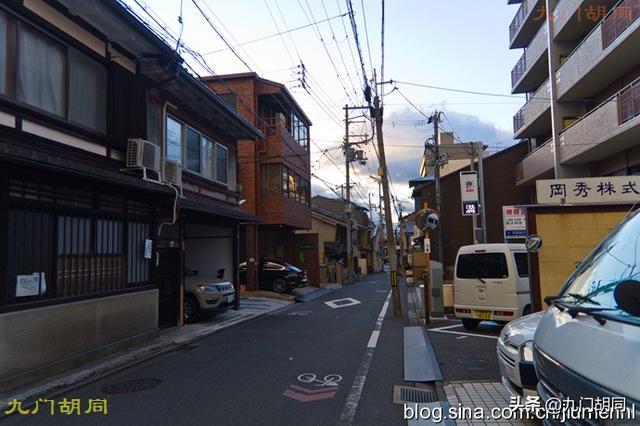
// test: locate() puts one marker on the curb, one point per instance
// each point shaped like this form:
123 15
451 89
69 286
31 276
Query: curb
84 377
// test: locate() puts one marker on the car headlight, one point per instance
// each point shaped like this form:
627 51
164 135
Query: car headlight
208 288
526 351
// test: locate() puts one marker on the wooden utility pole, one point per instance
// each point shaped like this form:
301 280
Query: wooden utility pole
391 243
347 207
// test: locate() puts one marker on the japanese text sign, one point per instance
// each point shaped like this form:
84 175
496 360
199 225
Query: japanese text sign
469 193
514 220
598 190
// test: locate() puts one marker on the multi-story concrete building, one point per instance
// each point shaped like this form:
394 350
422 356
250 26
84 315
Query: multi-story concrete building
584 120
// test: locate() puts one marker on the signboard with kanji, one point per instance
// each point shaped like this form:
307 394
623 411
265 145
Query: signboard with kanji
469 193
598 190
514 222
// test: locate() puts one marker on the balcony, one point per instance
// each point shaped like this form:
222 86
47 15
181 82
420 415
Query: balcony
534 118
282 145
532 68
526 23
612 127
537 164
574 18
610 50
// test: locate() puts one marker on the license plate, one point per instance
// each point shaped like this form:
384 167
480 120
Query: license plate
483 315
229 299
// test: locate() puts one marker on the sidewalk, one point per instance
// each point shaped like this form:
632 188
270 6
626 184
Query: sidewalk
167 340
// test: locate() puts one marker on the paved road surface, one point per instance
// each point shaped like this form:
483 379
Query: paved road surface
239 376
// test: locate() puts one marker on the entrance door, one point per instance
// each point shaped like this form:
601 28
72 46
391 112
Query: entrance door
167 275
307 256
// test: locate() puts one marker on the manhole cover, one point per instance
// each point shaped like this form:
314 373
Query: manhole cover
471 360
404 394
131 386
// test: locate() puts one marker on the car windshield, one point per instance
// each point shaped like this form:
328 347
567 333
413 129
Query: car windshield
614 261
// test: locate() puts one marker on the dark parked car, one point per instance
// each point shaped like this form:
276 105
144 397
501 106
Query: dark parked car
277 276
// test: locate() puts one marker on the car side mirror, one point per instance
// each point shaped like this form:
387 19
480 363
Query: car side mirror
627 296
533 243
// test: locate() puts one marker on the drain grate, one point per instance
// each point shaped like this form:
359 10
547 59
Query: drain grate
131 386
404 394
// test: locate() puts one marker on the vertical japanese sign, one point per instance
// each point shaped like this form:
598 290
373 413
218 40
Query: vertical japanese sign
469 193
598 190
514 222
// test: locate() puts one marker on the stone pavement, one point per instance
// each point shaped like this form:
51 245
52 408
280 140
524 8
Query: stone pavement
481 394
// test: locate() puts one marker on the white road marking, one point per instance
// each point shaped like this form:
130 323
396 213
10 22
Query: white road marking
446 327
463 334
373 340
351 406
461 337
342 303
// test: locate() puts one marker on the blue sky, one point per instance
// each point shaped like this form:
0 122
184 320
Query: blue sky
458 44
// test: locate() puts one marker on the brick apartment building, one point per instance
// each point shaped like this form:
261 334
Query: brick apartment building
275 174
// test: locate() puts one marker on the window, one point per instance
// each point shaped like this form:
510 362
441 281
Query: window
299 130
208 158
482 265
221 163
193 150
285 182
293 185
174 140
137 265
271 178
41 72
4 29
522 264
87 92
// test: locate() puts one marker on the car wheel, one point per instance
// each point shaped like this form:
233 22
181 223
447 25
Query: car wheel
190 310
279 285
470 324
526 311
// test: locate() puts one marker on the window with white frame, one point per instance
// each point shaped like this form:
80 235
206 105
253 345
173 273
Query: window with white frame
221 164
196 152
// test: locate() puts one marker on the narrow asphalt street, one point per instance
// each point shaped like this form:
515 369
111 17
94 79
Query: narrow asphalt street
313 363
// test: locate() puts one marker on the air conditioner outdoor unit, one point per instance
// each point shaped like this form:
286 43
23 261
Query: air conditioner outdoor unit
144 155
172 174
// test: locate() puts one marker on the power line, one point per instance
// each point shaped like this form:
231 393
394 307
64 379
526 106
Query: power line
279 33
448 89
366 32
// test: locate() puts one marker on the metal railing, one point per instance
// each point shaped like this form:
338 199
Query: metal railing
518 71
518 120
623 14
629 102
518 20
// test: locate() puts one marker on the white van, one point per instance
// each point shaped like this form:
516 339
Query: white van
587 344
491 283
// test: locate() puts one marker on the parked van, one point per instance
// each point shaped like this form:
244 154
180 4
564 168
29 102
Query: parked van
588 341
491 283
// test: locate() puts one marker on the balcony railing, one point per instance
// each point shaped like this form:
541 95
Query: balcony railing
537 162
518 120
518 71
518 20
629 101
619 19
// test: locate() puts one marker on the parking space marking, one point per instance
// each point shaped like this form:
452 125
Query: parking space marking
446 327
439 330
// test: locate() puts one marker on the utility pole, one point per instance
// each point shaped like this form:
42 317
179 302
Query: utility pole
391 244
435 120
483 207
347 207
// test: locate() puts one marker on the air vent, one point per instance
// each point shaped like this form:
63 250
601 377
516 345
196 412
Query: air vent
408 394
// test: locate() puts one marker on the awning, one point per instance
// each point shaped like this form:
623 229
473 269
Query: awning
217 208
21 155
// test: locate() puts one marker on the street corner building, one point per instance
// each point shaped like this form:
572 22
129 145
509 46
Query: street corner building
118 173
